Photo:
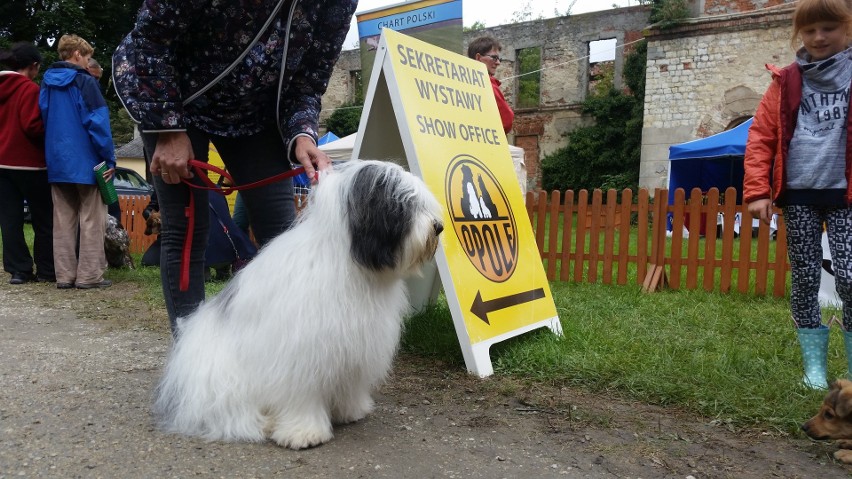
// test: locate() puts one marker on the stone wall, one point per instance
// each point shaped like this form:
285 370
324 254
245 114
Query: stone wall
705 75
564 43
722 7
702 76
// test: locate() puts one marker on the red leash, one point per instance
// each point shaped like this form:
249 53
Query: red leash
199 168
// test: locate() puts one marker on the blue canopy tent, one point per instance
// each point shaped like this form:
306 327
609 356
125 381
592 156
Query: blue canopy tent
715 161
327 138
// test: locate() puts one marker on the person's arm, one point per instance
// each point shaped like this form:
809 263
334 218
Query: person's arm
145 69
146 78
761 149
507 116
95 115
29 115
301 103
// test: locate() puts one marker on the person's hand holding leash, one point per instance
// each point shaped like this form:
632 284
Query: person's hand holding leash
171 157
309 155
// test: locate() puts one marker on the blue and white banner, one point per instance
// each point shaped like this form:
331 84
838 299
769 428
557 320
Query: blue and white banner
437 22
404 17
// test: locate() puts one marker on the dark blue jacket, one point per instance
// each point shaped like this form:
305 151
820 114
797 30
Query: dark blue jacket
76 124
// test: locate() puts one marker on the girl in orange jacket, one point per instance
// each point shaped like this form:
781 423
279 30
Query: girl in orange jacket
799 156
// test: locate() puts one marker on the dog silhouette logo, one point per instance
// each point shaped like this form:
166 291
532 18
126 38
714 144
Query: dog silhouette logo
482 218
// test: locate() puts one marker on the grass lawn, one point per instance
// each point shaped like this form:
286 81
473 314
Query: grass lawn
731 357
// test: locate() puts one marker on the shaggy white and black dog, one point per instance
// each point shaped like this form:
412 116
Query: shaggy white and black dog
300 338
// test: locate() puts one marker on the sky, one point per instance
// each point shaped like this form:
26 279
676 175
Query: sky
497 12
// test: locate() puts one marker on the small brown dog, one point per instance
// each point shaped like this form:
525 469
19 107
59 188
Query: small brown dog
834 420
153 223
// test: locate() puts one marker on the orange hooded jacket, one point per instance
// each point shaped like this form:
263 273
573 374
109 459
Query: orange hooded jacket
770 134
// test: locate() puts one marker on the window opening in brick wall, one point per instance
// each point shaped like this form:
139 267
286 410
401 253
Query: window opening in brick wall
601 65
602 50
529 83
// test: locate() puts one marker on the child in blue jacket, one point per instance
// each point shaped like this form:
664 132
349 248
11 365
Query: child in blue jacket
77 138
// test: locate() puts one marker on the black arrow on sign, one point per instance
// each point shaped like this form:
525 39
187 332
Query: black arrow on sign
481 308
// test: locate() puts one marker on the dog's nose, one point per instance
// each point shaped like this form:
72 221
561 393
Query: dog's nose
438 227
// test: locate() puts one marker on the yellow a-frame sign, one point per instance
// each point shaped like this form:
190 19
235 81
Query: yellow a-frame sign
436 109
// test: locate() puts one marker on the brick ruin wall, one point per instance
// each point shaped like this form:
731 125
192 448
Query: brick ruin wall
721 7
701 76
704 76
564 43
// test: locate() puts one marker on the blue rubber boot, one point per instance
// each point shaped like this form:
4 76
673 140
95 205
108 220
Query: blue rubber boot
814 344
847 341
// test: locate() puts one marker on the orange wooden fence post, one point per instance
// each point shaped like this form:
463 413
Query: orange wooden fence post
655 278
594 236
729 212
567 227
782 262
609 235
676 257
553 234
624 235
711 210
580 248
642 236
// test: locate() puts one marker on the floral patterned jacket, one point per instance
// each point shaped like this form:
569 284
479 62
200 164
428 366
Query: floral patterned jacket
177 47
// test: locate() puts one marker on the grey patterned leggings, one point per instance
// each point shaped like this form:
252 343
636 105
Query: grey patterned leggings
804 245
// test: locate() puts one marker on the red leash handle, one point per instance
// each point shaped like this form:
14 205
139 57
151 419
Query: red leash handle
200 168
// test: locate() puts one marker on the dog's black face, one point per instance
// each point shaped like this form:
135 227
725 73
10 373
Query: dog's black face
385 206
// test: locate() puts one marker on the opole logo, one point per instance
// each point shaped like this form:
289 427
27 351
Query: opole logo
482 218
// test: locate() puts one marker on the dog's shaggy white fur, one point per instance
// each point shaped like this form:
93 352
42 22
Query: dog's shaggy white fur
299 338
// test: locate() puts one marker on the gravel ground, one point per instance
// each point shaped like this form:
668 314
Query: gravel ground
77 371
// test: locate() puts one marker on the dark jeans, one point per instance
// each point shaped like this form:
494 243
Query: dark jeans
32 185
270 208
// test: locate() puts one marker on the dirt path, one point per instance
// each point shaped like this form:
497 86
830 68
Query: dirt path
77 369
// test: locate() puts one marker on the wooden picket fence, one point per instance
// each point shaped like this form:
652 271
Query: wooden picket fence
131 217
133 221
602 238
614 239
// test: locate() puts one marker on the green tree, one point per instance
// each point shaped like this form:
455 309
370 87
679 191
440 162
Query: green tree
606 154
477 26
103 24
529 80
344 120
668 13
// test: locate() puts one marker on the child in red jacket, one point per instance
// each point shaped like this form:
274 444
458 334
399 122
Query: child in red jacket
23 173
